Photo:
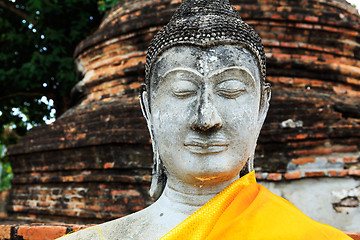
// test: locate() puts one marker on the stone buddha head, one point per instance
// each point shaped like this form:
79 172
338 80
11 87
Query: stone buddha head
205 98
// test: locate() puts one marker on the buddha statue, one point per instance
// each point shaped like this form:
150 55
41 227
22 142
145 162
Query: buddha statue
205 100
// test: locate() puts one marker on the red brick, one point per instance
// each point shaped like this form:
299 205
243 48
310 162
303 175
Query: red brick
80 206
115 209
17 208
137 208
336 160
295 17
303 25
343 173
298 137
95 208
338 173
276 17
286 80
302 161
315 174
147 178
353 235
355 172
109 165
135 85
274 177
258 176
5 231
333 173
137 201
339 90
330 29
318 151
311 19
41 232
289 44
350 160
117 215
309 58
353 148
76 228
314 47
126 193
43 204
293 175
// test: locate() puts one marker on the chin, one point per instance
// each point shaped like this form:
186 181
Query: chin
213 175
205 168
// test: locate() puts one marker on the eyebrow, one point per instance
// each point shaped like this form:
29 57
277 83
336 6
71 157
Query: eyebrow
223 70
188 70
215 73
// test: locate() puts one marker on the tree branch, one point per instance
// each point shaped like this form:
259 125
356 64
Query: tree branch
17 94
21 14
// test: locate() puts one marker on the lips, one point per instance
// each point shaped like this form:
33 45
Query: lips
200 146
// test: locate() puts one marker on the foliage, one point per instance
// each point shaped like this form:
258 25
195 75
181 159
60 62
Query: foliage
5 170
104 5
37 42
6 175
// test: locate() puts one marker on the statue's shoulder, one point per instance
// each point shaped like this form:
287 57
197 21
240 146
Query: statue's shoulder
133 226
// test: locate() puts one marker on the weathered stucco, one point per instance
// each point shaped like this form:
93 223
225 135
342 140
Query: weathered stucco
317 197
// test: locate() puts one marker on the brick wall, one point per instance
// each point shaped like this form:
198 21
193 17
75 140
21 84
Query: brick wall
37 231
94 163
76 189
50 232
4 200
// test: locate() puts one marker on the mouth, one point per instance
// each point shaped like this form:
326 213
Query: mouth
197 146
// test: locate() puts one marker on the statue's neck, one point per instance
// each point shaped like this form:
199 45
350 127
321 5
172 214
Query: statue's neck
187 198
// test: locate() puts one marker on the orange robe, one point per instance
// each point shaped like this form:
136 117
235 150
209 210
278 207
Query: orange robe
247 210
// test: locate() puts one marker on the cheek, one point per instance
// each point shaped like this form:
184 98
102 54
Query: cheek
170 112
170 122
241 114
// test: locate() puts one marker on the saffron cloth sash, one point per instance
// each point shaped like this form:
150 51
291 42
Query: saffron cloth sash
247 210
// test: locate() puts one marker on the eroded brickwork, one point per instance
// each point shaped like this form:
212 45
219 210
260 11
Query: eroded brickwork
53 231
94 163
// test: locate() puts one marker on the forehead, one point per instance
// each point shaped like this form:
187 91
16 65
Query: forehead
205 61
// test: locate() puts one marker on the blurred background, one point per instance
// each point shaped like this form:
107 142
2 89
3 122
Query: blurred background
74 147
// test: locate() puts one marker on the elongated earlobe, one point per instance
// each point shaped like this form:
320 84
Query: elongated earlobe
264 107
264 104
144 103
159 176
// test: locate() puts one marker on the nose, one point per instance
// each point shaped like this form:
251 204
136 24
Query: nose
207 116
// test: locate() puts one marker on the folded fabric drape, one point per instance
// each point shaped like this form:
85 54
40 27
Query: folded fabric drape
247 210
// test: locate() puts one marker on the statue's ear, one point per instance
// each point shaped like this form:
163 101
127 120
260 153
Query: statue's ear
159 177
144 103
265 103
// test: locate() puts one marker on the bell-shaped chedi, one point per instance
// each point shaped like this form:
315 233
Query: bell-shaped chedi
94 163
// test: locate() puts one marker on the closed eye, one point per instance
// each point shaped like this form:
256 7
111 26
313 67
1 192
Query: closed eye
231 88
184 93
184 88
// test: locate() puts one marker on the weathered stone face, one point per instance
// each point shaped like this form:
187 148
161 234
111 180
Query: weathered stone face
204 111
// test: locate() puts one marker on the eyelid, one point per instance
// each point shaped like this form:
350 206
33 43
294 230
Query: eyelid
233 89
184 88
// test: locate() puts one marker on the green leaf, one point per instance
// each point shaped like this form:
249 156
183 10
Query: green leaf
30 58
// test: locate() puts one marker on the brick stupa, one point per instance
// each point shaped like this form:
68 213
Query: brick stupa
94 163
